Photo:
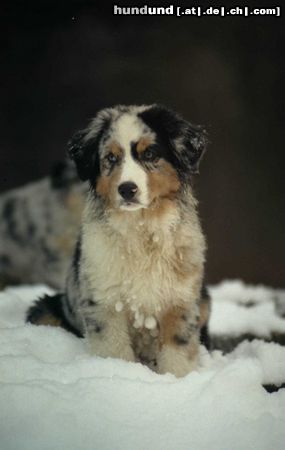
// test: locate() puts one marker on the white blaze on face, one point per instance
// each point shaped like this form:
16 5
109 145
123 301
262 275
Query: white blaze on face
129 129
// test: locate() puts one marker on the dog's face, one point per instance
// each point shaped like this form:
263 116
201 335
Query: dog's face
137 154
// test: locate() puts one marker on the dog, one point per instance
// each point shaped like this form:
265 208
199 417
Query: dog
39 225
135 285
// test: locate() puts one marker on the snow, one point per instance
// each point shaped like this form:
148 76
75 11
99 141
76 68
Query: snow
119 306
150 323
239 309
53 395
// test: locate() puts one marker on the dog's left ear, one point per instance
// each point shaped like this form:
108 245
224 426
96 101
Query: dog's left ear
193 144
187 141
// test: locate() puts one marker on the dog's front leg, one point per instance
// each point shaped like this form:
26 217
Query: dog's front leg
108 336
179 342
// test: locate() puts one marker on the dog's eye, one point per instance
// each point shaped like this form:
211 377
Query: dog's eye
111 158
149 154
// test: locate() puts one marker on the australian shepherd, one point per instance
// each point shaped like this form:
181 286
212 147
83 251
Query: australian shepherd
135 284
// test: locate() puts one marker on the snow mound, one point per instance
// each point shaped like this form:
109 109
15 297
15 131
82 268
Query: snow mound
238 309
53 395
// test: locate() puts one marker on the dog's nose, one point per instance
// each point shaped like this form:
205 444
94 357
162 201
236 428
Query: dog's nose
128 190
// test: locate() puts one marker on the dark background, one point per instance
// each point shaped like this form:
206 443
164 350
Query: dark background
62 61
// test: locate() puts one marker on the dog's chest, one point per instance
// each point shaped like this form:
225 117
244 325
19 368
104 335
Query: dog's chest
143 272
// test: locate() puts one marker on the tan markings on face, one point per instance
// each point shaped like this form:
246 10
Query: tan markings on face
163 182
143 144
113 148
107 186
116 149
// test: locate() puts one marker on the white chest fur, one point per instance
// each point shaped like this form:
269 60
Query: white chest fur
143 269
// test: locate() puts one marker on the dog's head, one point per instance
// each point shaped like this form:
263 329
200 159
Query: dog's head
133 155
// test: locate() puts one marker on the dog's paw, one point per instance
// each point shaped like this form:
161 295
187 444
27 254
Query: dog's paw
105 351
127 355
174 360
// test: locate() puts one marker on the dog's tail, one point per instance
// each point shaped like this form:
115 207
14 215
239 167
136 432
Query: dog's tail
49 311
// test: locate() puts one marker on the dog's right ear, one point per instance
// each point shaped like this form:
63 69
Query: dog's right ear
83 148
83 152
